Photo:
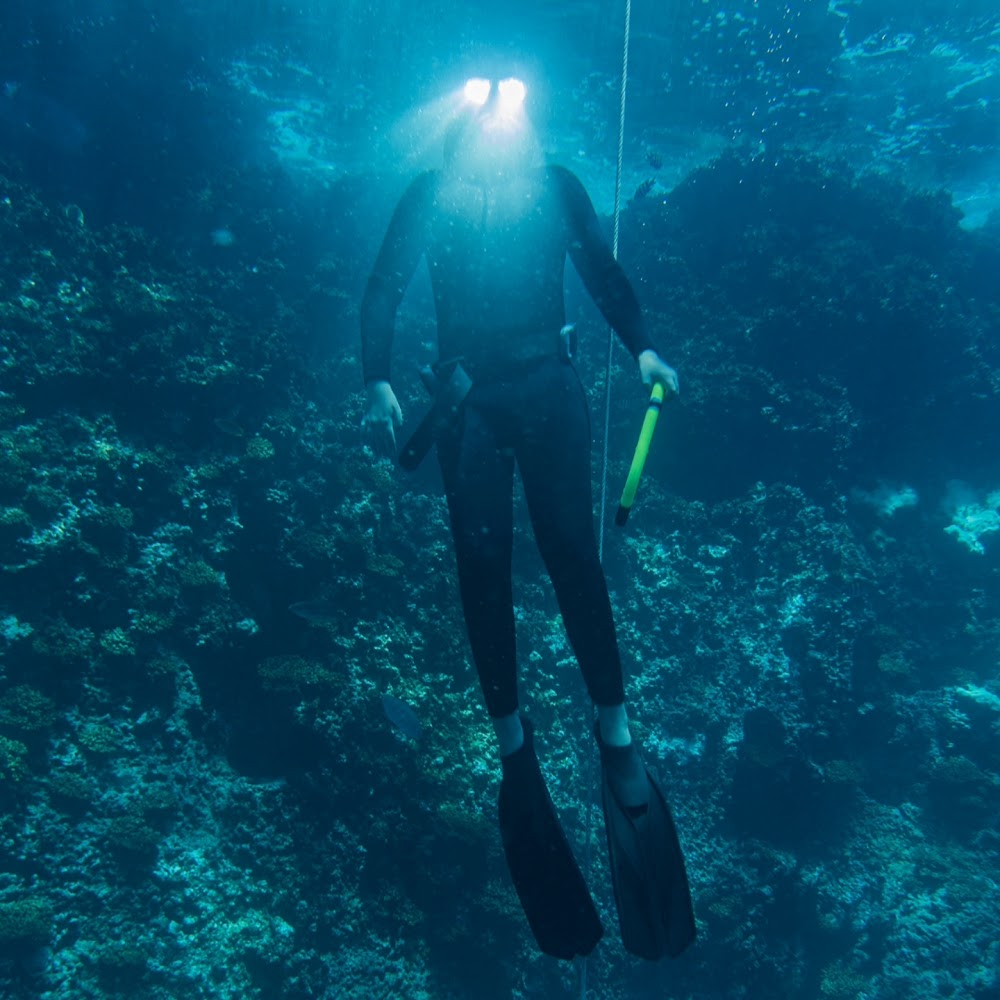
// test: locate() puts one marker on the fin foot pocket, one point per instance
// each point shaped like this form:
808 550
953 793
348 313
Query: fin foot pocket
549 883
648 873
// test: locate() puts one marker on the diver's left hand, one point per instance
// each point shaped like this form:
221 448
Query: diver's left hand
653 368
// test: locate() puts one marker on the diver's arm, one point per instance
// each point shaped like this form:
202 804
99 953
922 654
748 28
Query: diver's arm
404 243
402 247
604 278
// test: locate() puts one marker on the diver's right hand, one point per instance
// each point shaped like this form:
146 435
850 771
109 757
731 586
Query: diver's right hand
381 419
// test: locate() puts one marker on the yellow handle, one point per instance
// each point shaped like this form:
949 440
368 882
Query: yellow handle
641 451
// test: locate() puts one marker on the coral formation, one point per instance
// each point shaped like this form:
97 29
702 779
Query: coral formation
212 585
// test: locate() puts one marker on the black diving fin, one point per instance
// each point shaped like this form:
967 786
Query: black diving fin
647 866
552 890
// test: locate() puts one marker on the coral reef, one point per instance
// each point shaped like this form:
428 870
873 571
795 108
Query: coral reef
211 586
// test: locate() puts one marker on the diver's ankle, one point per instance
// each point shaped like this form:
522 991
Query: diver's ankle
613 722
510 733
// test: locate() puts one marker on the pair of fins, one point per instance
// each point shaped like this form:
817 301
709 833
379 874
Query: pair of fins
647 867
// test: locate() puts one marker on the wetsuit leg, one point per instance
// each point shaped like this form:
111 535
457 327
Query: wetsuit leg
478 479
553 454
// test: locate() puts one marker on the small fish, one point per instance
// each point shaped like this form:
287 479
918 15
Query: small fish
644 188
402 716
229 427
317 612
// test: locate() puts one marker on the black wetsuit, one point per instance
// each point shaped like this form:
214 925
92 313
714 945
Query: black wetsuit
497 258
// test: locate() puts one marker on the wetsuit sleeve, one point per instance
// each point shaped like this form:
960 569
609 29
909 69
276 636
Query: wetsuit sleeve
601 273
404 243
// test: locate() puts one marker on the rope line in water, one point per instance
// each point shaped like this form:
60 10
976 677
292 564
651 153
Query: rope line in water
607 415
619 169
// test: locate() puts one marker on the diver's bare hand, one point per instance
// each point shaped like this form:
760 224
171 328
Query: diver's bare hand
381 419
653 368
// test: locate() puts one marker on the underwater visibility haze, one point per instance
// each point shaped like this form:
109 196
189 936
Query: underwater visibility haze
244 751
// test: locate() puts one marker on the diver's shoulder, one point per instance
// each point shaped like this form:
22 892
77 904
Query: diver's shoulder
563 178
558 171
565 184
424 184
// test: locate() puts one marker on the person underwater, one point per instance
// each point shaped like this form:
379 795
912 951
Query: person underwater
495 226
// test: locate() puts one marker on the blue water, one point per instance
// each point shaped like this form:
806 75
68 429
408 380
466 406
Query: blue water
242 745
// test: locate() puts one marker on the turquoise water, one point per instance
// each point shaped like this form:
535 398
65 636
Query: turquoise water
243 751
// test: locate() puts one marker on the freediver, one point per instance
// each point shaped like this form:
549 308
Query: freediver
495 226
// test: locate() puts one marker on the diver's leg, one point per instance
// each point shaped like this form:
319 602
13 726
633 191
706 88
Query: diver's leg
479 486
478 479
553 454
647 864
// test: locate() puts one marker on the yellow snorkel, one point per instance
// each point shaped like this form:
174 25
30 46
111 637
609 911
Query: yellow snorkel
641 451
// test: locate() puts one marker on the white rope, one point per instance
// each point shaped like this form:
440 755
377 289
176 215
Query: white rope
614 250
607 403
